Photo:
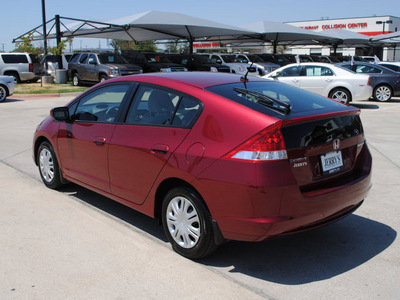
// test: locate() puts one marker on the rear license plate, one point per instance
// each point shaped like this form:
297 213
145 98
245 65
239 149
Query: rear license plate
331 162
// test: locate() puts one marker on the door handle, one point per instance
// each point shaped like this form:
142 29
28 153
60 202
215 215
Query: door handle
295 80
160 148
99 140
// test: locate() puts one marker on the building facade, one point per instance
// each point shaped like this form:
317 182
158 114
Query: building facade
369 26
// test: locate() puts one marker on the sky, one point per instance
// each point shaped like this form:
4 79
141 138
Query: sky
20 16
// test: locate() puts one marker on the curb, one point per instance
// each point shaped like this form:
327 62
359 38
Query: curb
40 96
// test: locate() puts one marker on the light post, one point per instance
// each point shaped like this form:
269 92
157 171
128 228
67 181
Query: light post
384 22
44 34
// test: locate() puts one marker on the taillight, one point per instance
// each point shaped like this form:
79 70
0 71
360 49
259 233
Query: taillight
369 80
266 145
30 67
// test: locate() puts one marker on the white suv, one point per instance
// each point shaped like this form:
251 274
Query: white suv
231 61
21 66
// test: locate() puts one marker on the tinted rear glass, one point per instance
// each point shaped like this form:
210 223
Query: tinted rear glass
299 100
14 58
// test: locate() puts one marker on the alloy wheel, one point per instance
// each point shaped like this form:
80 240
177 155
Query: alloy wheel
383 93
340 96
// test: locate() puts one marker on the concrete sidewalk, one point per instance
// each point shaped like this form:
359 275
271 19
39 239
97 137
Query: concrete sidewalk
53 247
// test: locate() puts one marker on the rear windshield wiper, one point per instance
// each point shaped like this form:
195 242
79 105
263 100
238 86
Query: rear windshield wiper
265 100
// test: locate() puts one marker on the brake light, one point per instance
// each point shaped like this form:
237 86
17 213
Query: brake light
369 80
30 67
266 145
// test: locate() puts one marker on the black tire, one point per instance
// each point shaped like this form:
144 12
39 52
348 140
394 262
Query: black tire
382 93
341 95
102 78
48 166
17 79
75 79
3 93
195 237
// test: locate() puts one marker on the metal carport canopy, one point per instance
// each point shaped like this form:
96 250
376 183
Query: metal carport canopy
156 25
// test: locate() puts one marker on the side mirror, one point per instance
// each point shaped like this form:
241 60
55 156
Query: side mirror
218 61
245 61
276 75
60 114
92 62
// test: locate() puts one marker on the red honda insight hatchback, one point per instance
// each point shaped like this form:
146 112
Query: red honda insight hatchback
215 156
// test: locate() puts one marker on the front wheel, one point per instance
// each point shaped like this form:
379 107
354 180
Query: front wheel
102 78
187 223
48 166
382 93
340 95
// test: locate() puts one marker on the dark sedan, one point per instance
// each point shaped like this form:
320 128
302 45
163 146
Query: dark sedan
385 82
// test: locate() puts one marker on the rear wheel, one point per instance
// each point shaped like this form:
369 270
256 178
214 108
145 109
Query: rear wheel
340 95
75 80
3 93
187 223
15 75
382 93
48 166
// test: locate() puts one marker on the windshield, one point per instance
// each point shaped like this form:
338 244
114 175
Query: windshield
299 100
282 59
202 59
156 58
229 58
111 59
255 58
334 59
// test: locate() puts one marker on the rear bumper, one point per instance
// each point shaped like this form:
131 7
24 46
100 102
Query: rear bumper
255 212
26 76
362 93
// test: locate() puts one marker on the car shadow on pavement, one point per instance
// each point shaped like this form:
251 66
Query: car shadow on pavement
298 259
312 256
365 106
10 100
115 209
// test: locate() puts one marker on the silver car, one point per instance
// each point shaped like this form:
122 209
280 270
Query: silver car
6 87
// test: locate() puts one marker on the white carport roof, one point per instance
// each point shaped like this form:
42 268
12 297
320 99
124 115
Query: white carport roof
152 25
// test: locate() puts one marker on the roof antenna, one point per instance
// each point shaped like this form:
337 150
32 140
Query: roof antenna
244 78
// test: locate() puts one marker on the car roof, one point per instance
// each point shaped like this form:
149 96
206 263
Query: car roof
321 64
197 79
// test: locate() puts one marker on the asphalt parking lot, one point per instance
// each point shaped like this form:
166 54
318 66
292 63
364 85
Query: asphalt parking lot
75 244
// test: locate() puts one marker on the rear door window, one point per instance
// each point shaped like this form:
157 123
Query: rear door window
82 59
154 106
318 71
14 58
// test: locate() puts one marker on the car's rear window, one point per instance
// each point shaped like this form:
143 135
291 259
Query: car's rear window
299 100
14 58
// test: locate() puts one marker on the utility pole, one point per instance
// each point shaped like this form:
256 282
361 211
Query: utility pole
44 34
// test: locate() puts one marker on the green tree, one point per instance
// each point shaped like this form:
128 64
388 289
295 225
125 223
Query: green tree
25 45
177 47
60 48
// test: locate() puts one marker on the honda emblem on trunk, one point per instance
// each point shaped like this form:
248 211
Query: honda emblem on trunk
336 144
